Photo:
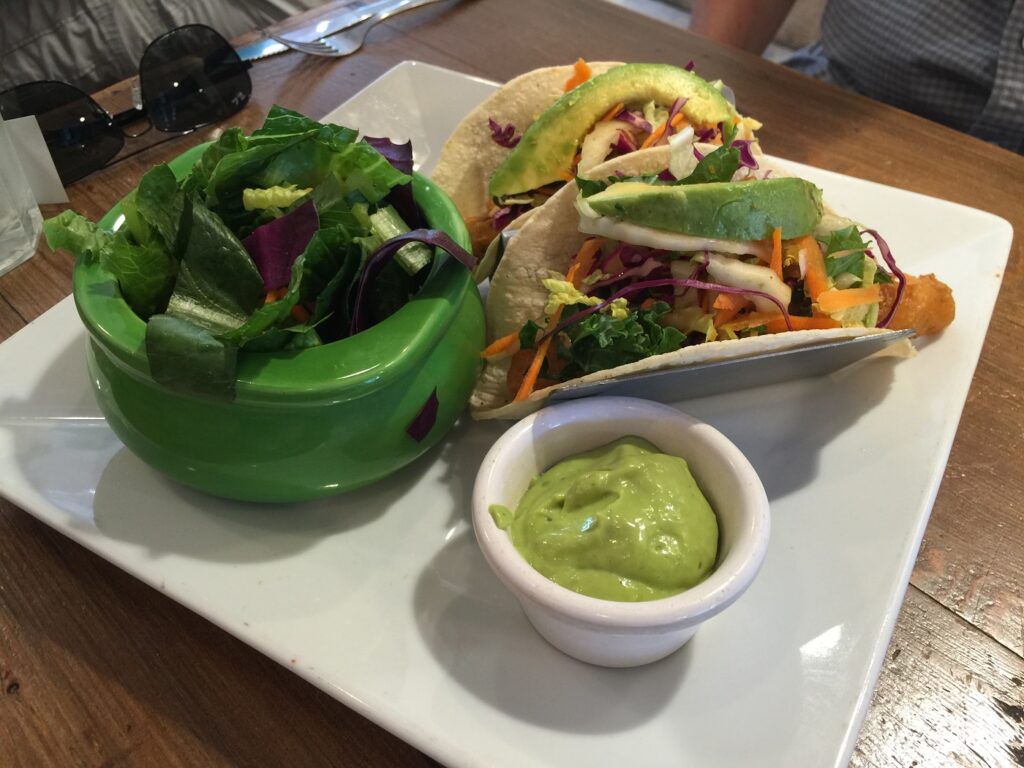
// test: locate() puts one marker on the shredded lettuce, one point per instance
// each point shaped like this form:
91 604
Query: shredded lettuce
272 197
601 340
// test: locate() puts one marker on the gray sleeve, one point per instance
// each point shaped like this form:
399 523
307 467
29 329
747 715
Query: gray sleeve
1002 119
94 43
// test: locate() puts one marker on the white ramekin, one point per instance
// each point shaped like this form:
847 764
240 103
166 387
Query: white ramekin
606 632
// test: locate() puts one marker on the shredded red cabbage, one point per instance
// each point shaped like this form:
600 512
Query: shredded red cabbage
651 264
276 245
747 159
689 66
424 421
624 143
901 279
635 120
400 157
628 255
697 153
505 215
706 135
386 252
673 111
698 271
504 137
648 284
667 175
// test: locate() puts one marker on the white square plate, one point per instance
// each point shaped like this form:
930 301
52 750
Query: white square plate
381 598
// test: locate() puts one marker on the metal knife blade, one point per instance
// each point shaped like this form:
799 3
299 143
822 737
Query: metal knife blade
260 50
675 384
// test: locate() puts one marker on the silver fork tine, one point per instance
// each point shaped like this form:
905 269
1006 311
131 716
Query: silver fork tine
313 47
351 40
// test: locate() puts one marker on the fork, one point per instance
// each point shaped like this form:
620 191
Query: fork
348 41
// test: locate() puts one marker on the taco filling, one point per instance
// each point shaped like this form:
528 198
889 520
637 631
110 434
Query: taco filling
721 252
603 114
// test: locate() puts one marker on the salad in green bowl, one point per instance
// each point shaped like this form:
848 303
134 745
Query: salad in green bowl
274 241
280 316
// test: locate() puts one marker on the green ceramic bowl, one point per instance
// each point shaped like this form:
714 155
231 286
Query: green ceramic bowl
304 423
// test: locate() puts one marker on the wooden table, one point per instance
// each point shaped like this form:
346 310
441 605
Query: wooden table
99 670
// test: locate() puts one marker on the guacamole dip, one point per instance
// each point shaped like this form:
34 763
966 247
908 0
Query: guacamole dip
621 522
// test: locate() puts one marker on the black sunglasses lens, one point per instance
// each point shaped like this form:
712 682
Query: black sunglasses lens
81 137
190 77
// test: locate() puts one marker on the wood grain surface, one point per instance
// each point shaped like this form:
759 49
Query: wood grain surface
98 669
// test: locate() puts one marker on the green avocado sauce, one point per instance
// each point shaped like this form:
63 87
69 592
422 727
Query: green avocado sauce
621 522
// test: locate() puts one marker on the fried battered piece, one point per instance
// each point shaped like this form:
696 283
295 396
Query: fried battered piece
927 305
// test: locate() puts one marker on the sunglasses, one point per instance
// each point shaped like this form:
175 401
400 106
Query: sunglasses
188 77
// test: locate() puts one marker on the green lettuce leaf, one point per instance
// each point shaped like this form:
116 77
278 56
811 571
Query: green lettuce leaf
334 209
145 273
218 284
236 171
849 239
716 166
361 168
528 335
160 201
282 123
230 142
73 232
188 358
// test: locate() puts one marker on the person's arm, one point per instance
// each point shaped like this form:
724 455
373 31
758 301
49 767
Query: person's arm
746 24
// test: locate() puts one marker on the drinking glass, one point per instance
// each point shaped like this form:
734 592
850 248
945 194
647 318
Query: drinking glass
20 220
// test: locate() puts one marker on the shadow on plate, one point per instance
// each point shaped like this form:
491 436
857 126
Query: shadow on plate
137 504
476 631
782 429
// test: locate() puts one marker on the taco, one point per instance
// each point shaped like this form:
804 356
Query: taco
536 132
661 261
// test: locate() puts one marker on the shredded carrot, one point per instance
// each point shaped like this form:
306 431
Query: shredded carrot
585 259
752 320
300 313
581 264
570 276
566 176
838 300
815 278
730 301
530 379
612 113
647 303
778 325
581 73
503 344
276 295
728 306
656 134
776 262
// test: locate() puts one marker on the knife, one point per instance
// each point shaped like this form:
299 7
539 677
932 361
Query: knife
671 385
354 13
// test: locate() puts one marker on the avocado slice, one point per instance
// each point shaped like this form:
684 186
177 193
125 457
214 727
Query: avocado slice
731 210
545 152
